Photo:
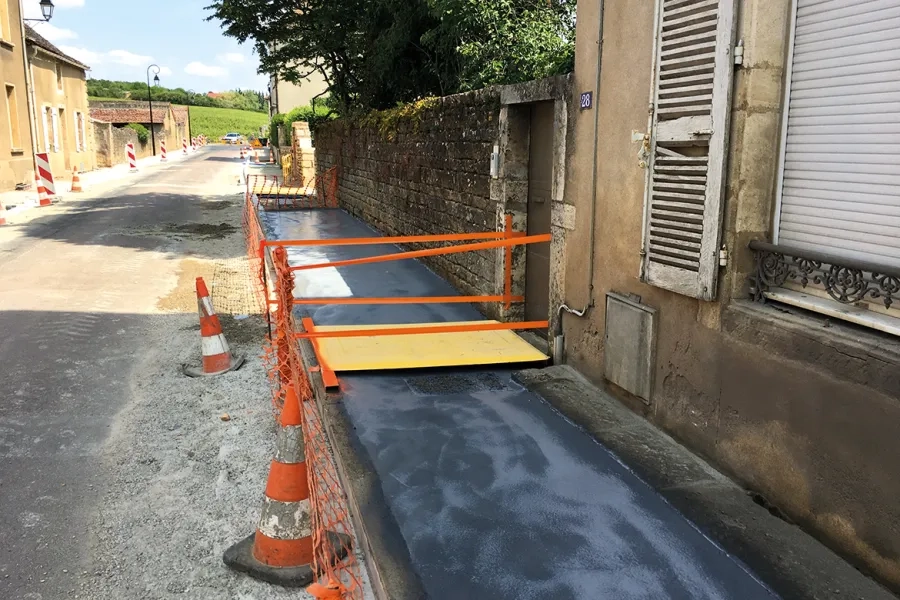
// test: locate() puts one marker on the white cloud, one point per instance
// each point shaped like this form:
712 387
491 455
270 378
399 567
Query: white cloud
165 71
200 70
88 57
233 57
54 33
124 57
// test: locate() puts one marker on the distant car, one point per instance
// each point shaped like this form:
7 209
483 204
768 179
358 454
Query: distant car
231 138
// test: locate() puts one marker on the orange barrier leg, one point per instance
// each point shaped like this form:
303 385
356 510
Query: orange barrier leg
329 378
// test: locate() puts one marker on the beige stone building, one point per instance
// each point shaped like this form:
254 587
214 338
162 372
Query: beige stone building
285 96
61 107
16 161
733 210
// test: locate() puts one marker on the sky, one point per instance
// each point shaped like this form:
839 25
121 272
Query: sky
119 39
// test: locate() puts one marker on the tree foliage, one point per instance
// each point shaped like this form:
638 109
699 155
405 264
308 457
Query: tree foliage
143 134
137 90
376 53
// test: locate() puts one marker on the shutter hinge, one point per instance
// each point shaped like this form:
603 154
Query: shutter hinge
739 53
723 256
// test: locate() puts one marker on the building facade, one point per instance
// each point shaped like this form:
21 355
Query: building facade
285 96
111 117
62 120
734 187
16 146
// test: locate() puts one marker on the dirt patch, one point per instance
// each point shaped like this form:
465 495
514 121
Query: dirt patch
206 230
217 205
184 297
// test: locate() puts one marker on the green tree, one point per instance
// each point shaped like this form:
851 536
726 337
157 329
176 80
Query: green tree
376 53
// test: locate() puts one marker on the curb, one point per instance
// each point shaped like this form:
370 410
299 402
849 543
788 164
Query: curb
787 559
390 568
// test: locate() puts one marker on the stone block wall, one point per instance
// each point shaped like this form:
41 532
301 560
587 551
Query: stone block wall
109 144
423 170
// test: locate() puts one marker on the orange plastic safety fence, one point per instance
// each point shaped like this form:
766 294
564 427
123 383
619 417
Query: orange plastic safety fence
334 558
270 193
253 237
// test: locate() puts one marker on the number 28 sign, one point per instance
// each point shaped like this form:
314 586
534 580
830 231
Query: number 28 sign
587 100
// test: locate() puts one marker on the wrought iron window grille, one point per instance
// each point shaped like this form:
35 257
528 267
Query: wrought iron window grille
845 280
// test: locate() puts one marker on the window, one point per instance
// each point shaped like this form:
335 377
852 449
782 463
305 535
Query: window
4 22
54 121
47 119
80 145
59 78
12 113
686 151
840 161
63 127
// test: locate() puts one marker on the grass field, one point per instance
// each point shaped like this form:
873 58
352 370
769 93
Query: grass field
216 122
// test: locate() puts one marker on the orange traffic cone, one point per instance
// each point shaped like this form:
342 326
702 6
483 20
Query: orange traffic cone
2 213
217 356
256 156
281 549
43 198
242 153
324 592
76 182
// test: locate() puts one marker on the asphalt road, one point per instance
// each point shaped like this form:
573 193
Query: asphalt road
75 292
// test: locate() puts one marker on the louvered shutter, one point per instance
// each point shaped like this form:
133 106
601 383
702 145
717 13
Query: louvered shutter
691 108
840 189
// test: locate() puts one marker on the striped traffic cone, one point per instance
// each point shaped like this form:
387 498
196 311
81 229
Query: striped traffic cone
2 213
281 549
76 182
242 153
217 356
43 198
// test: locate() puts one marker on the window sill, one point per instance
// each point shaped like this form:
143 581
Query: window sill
17 151
7 45
845 312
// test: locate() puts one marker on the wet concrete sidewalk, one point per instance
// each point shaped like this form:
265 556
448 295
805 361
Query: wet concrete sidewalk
494 493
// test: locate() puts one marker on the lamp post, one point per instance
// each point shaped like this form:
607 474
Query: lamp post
150 100
46 11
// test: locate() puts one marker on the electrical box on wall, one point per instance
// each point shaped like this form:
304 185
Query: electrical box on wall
630 347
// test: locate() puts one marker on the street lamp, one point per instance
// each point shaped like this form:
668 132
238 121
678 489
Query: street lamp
46 11
150 100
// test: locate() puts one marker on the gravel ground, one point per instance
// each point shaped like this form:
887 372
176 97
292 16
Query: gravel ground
188 459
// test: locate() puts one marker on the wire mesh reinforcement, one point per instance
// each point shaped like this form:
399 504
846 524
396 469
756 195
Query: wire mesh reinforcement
334 558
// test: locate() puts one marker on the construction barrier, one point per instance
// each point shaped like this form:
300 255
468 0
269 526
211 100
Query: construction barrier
271 193
43 173
184 146
162 151
132 157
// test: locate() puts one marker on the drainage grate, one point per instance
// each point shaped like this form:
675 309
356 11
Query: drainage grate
439 384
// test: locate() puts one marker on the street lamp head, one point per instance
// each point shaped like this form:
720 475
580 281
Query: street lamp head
156 80
47 9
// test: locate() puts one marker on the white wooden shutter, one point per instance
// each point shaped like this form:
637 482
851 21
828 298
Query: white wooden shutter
689 136
55 119
840 188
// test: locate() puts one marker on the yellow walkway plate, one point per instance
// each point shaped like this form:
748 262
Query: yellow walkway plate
422 350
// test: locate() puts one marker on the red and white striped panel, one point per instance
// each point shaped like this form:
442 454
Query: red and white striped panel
132 158
184 145
162 150
42 164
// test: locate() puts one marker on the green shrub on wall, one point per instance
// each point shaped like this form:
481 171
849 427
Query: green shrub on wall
142 132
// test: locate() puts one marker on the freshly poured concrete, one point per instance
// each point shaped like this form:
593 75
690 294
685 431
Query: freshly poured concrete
495 494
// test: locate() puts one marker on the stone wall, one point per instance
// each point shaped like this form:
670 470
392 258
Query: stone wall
423 169
109 143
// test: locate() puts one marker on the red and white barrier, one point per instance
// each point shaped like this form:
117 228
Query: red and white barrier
132 157
162 151
184 145
42 168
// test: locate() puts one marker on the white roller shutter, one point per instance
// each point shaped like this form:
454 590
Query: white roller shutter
689 136
840 188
